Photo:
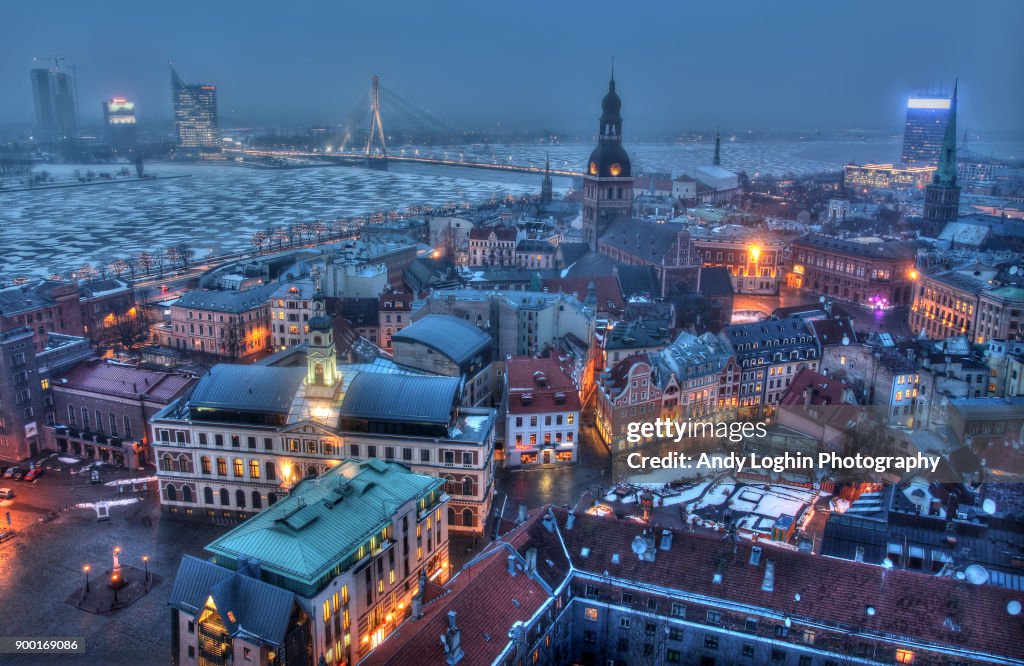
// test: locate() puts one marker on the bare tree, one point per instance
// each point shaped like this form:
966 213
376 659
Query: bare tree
129 330
86 272
281 234
258 239
145 261
319 228
118 267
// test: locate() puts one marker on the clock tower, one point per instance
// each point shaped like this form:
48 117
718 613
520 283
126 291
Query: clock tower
608 181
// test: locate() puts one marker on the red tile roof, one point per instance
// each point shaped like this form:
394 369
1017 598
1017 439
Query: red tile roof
487 602
909 606
524 375
121 380
606 289
823 390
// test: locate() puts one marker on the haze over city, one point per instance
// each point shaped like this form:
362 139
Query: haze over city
535 65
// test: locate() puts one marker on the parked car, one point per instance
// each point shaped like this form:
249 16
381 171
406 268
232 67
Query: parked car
34 474
10 472
19 474
6 493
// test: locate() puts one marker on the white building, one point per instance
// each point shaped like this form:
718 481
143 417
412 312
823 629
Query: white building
542 410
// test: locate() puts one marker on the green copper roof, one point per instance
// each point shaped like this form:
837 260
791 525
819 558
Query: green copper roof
324 519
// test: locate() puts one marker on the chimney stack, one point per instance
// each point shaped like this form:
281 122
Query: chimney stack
549 521
531 561
666 540
512 565
451 640
521 517
571 520
768 584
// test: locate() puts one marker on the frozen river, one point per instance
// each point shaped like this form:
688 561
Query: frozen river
220 206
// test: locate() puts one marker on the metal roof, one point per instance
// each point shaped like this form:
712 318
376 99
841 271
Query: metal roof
248 388
324 519
397 397
456 338
228 301
246 605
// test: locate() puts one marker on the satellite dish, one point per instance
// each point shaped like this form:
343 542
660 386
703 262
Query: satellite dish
639 545
1013 270
1013 608
887 563
960 575
976 574
870 610
846 339
989 506
796 596
789 623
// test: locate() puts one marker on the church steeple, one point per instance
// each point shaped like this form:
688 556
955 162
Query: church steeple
546 195
321 356
718 147
945 175
608 181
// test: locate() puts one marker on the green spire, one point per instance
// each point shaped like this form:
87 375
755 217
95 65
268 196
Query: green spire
718 147
946 173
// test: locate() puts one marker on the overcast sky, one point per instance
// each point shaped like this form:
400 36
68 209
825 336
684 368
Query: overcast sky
534 64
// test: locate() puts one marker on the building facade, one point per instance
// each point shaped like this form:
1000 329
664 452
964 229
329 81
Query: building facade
874 273
196 121
53 92
542 413
224 324
924 129
119 122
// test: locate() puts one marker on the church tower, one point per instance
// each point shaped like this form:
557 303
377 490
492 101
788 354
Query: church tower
322 377
718 148
942 196
545 187
608 181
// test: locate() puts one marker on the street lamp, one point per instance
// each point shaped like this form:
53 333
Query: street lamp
145 564
85 570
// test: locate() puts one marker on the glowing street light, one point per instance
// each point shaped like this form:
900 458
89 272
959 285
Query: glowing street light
85 569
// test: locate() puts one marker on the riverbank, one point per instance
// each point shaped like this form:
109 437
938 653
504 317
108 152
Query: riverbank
97 181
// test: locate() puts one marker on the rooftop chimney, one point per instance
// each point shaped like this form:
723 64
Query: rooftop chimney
571 520
768 584
666 540
521 517
531 560
451 641
549 521
512 565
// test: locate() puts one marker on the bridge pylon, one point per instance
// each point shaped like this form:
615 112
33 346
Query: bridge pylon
376 158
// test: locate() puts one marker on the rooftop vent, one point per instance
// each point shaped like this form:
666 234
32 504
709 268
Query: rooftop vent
755 555
768 584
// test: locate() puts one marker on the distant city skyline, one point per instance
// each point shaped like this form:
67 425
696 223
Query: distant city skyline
681 67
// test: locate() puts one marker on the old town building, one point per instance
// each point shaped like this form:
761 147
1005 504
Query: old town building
542 413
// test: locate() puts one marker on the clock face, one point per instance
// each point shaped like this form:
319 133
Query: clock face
615 169
593 168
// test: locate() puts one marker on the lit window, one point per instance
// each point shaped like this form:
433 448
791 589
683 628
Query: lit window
904 657
590 614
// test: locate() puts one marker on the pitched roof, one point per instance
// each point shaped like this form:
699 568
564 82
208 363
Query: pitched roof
247 388
248 606
227 301
424 399
877 250
456 338
715 281
606 290
908 605
823 390
649 241
110 379
542 379
324 519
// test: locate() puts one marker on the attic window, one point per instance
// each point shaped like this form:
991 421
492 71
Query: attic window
560 398
585 552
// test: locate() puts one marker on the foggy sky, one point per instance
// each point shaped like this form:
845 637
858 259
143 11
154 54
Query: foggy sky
536 64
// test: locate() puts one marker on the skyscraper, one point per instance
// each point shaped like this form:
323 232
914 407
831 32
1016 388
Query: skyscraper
119 122
925 127
195 114
54 94
942 196
607 183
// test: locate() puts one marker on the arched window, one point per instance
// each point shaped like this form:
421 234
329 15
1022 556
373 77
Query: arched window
186 494
257 501
225 499
450 485
451 516
184 464
208 495
172 493
168 463
72 419
311 471
240 498
254 469
113 423
467 485
127 426
99 421
467 518
85 418
271 470
271 499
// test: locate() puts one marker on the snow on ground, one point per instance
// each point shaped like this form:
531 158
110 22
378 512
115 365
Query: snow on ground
718 495
68 461
127 482
117 502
